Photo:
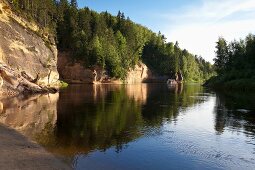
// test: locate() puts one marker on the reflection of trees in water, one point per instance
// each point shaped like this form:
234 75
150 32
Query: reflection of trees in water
236 111
165 103
97 122
99 117
177 88
89 117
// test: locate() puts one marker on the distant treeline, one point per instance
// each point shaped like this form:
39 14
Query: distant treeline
235 63
113 42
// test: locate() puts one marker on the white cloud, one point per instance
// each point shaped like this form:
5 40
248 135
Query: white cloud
197 28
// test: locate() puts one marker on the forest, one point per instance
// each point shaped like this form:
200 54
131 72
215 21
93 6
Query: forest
115 43
234 64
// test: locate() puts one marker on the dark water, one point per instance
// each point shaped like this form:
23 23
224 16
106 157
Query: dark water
148 126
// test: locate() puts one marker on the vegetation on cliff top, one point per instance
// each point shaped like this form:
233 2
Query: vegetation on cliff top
234 64
113 42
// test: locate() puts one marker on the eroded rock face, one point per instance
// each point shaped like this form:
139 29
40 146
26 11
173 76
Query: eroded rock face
139 74
13 83
23 49
75 72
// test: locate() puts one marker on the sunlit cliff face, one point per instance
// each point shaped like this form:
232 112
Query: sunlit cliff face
22 49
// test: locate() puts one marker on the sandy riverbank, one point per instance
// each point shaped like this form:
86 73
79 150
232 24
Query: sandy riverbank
18 153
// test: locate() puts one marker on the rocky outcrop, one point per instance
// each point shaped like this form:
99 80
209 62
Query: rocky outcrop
139 74
75 72
27 54
13 83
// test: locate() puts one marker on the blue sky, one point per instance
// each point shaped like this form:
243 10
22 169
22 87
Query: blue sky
196 24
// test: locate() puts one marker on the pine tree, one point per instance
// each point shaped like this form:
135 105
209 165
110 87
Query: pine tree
74 4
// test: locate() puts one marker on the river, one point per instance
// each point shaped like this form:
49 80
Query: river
145 126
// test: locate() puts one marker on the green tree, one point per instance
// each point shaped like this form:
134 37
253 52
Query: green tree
97 52
222 55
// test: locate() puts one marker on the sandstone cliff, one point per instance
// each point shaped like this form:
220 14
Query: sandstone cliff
28 56
75 72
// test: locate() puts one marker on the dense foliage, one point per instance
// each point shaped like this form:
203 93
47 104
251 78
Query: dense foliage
235 63
113 42
168 58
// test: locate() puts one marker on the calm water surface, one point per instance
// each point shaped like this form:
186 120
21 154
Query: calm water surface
147 126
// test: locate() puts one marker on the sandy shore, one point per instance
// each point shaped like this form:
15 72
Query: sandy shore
18 153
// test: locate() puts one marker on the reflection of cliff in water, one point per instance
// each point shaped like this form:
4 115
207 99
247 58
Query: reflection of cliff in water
235 111
98 117
102 116
84 118
32 116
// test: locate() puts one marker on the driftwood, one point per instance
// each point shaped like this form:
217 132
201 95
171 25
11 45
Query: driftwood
29 78
5 77
14 82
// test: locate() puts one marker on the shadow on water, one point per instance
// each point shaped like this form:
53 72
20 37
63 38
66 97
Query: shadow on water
86 118
236 111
